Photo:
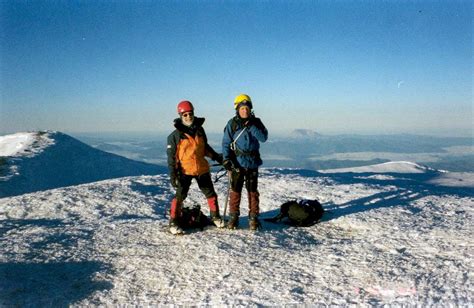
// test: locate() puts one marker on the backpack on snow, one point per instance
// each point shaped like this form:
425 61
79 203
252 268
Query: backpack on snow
301 213
193 217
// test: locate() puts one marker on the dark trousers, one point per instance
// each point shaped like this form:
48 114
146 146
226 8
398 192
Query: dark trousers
204 182
249 177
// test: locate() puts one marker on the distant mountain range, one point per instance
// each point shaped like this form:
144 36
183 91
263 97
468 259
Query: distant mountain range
308 149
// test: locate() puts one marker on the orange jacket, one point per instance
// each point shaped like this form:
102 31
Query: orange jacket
190 154
187 149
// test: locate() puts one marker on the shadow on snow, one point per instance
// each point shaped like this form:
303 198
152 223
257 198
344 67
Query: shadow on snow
148 189
37 280
55 232
49 284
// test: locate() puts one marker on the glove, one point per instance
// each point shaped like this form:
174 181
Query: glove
257 122
174 179
228 165
250 121
219 159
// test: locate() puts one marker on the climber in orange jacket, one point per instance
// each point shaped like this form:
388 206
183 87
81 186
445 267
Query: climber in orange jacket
187 149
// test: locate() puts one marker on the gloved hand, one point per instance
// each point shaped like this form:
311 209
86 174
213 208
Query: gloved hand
257 122
174 179
250 121
219 159
228 165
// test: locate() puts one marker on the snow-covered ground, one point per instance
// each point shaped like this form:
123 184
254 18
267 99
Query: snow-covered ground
12 145
386 238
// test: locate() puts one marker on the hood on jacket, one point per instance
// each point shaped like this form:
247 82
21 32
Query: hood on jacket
191 130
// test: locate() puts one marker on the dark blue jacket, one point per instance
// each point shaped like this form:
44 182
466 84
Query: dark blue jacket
246 153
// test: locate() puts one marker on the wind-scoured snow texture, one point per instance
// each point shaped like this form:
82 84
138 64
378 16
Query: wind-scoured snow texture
43 160
391 239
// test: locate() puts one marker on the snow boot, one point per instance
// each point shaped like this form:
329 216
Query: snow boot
254 223
217 220
214 210
175 229
234 221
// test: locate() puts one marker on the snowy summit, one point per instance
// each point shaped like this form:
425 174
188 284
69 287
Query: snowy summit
15 144
396 238
36 161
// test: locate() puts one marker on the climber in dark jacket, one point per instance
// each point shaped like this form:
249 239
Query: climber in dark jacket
187 149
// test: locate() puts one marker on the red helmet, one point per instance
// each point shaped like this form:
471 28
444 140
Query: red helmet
185 106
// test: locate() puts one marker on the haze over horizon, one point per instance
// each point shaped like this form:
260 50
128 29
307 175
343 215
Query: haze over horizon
333 67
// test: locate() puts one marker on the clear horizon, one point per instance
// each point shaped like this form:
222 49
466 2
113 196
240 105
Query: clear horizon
332 67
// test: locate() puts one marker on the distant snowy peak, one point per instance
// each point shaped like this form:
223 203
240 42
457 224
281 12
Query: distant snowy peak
25 143
44 160
305 133
389 167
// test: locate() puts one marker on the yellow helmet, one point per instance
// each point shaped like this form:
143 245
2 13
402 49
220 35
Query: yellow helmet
242 98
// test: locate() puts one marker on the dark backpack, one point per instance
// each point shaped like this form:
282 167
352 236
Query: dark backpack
193 217
301 213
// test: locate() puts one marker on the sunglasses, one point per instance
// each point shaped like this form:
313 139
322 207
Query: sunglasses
187 114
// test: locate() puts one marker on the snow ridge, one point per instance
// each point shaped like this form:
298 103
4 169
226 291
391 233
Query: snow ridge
46 160
25 144
388 167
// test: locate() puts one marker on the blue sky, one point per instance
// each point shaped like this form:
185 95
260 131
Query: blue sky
333 66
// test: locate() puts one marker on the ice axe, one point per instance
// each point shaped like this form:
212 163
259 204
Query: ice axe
229 174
